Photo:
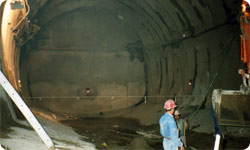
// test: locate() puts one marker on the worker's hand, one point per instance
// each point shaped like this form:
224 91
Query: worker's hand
242 72
182 148
186 123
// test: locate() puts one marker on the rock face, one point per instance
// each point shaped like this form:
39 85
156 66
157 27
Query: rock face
97 56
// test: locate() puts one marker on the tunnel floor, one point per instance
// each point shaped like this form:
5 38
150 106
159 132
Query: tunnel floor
124 133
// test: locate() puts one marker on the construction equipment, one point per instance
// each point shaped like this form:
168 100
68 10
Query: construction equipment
26 111
232 107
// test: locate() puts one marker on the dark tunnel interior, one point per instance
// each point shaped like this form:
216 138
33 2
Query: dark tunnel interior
98 61
125 49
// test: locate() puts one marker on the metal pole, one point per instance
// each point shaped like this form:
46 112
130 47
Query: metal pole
217 142
26 111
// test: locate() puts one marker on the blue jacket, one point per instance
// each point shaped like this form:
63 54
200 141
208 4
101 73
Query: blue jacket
169 129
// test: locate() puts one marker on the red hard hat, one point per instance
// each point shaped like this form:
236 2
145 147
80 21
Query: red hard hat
169 104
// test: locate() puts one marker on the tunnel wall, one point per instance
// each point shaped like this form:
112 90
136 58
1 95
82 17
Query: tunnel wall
5 115
125 50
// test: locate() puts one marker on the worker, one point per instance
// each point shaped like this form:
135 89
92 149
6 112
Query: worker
246 77
182 125
169 129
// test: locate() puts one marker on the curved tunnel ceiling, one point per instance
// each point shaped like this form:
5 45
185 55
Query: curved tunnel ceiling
126 49
152 22
155 22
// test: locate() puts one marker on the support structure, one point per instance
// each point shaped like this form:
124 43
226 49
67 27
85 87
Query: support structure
217 142
26 111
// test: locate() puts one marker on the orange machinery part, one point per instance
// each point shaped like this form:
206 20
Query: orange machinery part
245 38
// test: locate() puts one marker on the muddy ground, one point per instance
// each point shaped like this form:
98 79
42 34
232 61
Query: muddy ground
19 137
123 133
119 133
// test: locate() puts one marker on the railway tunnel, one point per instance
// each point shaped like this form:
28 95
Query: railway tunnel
89 58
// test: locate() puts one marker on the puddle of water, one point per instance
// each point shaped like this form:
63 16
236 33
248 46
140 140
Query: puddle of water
121 133
108 133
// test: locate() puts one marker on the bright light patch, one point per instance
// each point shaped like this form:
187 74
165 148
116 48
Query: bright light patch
243 8
248 1
1 1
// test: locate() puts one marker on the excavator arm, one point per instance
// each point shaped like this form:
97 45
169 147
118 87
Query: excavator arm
245 37
232 107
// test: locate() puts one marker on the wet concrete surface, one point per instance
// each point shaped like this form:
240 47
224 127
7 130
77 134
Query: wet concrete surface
111 133
124 133
20 137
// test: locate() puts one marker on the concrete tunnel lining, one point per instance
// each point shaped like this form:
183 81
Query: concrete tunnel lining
122 51
144 34
106 68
